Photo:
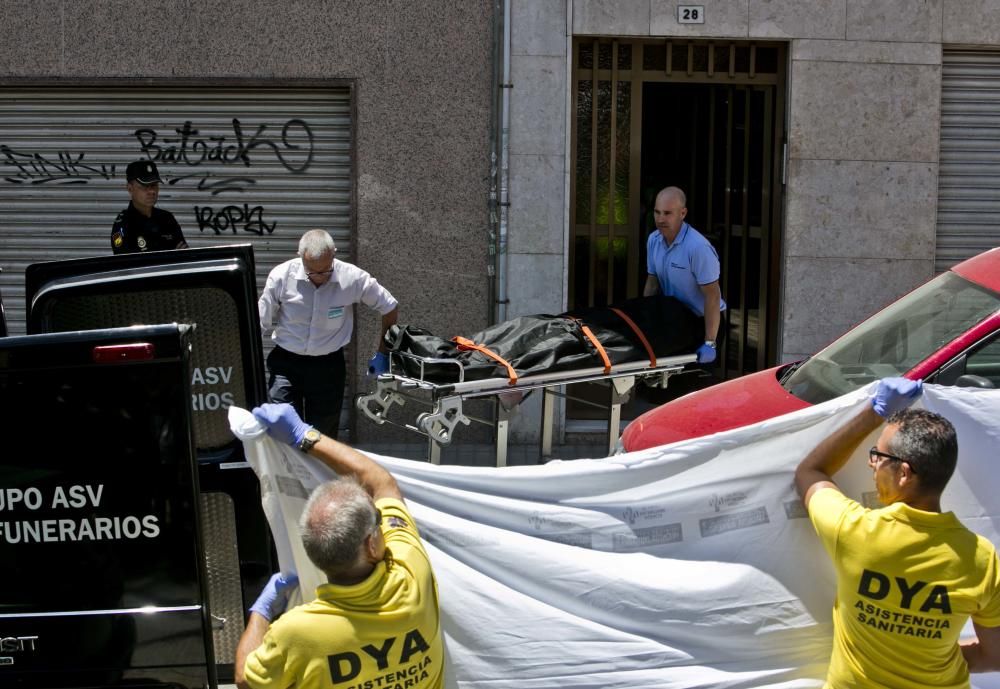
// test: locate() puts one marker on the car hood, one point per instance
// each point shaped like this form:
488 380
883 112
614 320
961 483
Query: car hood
734 403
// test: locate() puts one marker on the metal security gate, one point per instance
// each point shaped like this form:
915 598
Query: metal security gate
968 219
242 163
705 116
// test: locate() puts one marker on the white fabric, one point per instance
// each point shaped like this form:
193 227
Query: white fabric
304 319
687 565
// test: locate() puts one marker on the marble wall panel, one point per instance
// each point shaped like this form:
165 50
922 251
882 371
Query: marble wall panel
867 51
894 20
851 111
538 105
825 297
534 284
723 19
975 22
525 427
861 209
611 17
538 27
537 189
797 19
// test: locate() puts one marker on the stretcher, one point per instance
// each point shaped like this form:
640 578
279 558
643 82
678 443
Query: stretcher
446 400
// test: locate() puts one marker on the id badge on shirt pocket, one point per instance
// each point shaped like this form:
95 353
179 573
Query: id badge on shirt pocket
335 312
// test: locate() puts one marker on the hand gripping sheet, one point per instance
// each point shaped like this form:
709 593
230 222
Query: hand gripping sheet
687 565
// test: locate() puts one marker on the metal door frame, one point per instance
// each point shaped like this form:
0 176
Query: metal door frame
692 62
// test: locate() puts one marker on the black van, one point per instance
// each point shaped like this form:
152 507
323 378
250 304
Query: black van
139 449
101 545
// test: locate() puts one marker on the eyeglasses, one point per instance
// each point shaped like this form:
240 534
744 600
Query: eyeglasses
874 455
320 273
378 518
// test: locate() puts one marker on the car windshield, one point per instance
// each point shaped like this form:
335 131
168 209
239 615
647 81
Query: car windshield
894 340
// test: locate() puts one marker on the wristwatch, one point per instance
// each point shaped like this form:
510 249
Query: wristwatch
710 343
311 437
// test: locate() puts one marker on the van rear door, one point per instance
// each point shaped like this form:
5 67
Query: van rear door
100 535
214 289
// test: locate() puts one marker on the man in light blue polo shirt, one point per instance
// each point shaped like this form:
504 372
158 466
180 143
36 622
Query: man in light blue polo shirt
682 264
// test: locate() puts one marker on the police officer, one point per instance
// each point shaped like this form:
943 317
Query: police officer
141 227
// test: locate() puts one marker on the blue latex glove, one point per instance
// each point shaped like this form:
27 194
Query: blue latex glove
378 364
706 354
282 422
895 394
273 600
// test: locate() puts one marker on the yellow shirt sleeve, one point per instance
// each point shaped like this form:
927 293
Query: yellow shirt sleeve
828 508
267 666
989 614
398 527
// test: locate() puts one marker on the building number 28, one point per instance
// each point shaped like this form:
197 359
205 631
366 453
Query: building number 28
691 14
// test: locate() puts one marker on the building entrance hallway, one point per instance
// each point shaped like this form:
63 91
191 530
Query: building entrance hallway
707 117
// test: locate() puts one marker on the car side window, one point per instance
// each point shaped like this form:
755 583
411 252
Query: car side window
985 362
979 367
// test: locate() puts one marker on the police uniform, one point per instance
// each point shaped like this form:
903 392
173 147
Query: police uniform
134 232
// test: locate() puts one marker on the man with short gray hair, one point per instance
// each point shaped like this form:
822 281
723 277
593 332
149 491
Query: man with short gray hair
377 622
307 308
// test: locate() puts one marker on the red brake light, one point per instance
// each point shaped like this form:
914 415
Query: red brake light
139 351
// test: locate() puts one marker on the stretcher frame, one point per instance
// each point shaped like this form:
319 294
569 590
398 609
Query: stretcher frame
446 399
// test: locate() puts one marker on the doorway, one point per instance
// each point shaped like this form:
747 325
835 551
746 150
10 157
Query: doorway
707 117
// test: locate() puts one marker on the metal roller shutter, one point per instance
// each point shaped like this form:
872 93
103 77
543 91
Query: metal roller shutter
968 219
244 163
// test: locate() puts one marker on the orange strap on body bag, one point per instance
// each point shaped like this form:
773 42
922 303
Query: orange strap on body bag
465 345
638 333
597 345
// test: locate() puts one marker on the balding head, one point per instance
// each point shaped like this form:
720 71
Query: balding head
669 212
335 523
673 193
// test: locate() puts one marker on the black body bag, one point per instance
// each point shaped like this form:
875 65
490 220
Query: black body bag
532 345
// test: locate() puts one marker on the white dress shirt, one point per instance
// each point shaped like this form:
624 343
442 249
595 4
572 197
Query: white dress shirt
310 320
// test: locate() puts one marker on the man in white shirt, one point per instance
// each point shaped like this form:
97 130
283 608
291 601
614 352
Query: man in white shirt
307 307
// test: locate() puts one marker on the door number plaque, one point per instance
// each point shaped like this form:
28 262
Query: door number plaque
690 14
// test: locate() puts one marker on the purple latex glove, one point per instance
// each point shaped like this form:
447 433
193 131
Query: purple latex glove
378 364
282 423
895 394
273 600
706 354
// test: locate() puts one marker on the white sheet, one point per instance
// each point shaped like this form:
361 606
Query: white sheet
687 565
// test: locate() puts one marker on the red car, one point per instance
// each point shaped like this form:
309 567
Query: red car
946 331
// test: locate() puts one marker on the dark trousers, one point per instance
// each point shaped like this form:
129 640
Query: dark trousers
314 385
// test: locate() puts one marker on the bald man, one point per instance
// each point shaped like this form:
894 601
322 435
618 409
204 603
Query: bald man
682 264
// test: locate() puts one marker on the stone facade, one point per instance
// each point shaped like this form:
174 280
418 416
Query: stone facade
863 116
421 74
862 119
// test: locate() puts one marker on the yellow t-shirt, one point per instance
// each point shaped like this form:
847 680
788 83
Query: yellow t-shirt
907 581
383 633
